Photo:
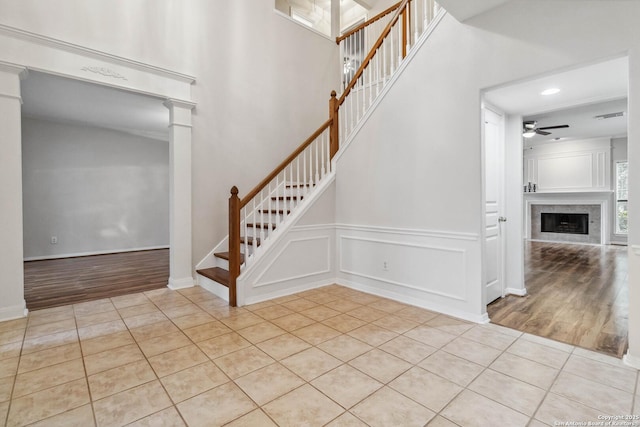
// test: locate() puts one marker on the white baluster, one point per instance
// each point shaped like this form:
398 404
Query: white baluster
277 202
304 172
298 177
262 214
416 32
328 154
400 30
317 142
246 237
289 194
269 208
391 53
323 137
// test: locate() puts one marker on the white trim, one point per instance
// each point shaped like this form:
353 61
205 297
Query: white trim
14 312
396 75
479 318
630 360
84 51
288 291
521 292
185 282
454 235
276 258
636 249
91 253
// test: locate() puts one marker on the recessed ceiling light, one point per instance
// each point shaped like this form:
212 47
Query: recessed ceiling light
550 91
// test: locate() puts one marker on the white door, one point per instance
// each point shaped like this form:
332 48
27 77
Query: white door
494 197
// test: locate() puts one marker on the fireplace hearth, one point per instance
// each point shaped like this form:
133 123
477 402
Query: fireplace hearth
566 223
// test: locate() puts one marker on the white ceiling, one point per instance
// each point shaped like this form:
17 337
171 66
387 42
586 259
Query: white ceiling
585 92
72 101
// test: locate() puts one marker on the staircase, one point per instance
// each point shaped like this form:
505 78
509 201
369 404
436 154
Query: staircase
258 219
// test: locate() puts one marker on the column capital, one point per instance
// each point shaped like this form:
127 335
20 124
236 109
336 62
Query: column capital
19 70
171 103
179 112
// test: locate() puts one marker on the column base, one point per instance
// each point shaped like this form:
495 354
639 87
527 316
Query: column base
184 282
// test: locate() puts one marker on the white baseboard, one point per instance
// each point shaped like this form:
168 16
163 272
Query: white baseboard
105 252
516 291
175 284
17 311
476 318
632 361
288 291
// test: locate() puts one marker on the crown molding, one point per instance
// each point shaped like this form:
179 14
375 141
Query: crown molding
87 52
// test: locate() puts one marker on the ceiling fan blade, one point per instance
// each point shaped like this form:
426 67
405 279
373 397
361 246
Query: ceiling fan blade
554 127
541 132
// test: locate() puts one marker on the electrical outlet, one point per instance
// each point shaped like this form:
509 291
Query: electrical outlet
54 240
385 265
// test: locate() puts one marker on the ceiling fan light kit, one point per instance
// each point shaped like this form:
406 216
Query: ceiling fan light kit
530 129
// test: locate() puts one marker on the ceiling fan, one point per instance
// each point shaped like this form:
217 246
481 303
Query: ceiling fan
530 129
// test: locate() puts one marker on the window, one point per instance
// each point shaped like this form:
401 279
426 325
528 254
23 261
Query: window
315 14
621 197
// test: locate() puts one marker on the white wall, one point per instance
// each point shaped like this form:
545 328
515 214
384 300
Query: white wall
252 68
96 190
416 164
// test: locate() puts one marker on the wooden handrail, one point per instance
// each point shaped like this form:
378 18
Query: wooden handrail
373 50
367 23
246 199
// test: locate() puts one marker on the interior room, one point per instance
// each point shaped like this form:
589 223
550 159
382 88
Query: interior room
95 191
574 208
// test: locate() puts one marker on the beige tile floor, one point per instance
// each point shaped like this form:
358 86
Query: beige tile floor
330 356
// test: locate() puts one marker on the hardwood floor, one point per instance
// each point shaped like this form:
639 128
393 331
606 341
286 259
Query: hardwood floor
577 294
56 282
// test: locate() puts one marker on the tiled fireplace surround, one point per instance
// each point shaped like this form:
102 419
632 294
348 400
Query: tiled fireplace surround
596 207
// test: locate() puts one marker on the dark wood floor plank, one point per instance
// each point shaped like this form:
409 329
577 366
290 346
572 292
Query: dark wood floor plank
577 294
51 283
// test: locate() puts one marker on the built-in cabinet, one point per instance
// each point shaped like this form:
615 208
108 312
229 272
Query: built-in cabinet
575 166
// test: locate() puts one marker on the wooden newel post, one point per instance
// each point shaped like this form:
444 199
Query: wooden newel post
333 130
234 244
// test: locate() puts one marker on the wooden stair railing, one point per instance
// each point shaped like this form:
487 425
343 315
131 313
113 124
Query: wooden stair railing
277 195
253 218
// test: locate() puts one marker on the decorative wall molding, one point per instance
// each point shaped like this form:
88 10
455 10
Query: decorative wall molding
410 232
85 51
105 72
278 257
462 254
14 312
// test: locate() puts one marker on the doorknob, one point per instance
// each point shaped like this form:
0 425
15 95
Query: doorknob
502 219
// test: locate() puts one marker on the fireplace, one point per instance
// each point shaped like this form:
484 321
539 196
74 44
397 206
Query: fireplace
568 223
552 221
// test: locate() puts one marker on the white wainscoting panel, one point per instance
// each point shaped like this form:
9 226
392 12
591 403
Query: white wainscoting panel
301 260
431 269
565 172
396 262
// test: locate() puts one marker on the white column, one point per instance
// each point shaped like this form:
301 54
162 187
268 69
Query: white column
12 304
180 268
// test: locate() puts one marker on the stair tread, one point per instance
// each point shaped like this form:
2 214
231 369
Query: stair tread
249 240
225 255
265 226
216 274
274 211
287 197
